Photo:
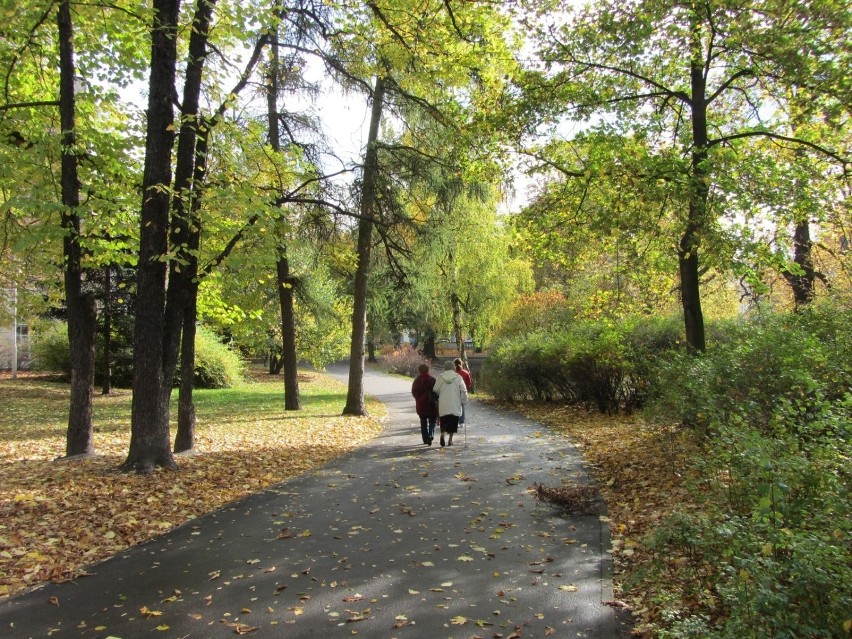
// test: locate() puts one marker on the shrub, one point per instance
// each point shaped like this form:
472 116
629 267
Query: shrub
771 406
402 360
600 364
50 350
216 365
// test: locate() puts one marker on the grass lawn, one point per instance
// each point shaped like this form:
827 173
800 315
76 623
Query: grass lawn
56 517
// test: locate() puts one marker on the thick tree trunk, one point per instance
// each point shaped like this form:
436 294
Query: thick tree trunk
690 240
82 327
149 436
355 393
82 315
288 334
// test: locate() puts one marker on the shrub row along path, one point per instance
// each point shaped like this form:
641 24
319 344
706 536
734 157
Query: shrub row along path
394 540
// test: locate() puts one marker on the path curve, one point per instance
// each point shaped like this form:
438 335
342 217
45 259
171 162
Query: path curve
393 540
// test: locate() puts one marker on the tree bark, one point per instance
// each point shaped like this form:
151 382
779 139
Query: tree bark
804 283
458 331
184 226
288 334
429 345
355 393
149 427
82 314
106 363
698 192
289 357
185 435
371 350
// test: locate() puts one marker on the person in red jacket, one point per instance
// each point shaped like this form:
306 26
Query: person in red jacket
426 409
468 383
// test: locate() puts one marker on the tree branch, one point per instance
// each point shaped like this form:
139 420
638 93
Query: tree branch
24 105
844 162
739 74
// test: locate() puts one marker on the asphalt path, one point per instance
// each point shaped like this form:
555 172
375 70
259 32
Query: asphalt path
394 540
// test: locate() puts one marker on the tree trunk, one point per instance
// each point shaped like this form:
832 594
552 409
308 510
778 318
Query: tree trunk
690 240
429 345
106 363
185 435
184 232
149 427
82 314
804 283
355 394
289 358
458 331
288 334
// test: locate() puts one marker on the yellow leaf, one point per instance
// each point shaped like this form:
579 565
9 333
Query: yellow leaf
458 621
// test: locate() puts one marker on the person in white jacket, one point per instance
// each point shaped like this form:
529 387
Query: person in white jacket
452 396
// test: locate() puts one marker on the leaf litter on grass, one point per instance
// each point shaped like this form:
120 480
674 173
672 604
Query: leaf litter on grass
57 517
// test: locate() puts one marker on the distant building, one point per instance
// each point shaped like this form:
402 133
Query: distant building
8 347
14 335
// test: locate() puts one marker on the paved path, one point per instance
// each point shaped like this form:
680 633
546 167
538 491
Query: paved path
395 540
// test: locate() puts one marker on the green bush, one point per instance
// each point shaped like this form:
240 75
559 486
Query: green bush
49 345
216 365
601 364
772 409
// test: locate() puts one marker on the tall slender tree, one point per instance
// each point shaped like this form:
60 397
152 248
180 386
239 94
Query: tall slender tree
355 392
80 300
